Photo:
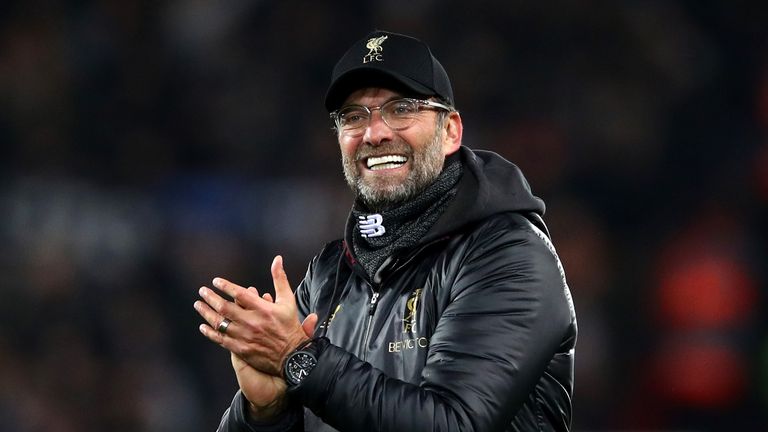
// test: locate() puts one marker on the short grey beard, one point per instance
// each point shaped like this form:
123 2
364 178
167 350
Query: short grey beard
426 168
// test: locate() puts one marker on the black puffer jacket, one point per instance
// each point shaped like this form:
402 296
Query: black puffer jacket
471 330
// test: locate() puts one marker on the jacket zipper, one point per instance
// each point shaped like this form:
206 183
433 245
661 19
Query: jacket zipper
371 311
375 297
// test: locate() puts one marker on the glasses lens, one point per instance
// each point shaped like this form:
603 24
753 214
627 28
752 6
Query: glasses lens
399 113
352 118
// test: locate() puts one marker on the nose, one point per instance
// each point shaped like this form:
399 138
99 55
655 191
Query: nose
377 131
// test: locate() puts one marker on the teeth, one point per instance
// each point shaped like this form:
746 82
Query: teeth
386 166
389 161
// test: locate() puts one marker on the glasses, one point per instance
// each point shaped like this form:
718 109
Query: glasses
398 114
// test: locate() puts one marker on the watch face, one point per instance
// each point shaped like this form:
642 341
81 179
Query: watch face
299 365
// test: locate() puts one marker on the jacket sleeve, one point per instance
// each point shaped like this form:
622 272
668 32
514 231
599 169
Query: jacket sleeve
235 419
507 316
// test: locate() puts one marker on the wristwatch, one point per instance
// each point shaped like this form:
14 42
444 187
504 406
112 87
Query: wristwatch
300 362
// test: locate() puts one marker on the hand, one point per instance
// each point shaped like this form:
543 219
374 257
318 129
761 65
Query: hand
261 332
265 393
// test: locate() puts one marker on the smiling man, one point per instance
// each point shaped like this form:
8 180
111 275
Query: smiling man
444 307
391 157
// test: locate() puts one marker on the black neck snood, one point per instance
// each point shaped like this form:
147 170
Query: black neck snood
403 225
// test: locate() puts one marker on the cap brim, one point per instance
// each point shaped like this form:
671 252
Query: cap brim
362 77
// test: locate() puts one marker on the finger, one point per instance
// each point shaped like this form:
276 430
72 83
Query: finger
225 308
218 338
228 340
256 292
213 318
211 334
245 297
268 297
253 293
283 290
211 298
309 324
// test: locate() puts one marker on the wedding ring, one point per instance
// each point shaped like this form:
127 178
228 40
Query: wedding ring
223 325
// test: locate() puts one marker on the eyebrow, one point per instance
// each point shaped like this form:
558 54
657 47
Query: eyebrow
386 101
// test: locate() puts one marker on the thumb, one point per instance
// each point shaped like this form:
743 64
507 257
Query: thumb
309 324
283 289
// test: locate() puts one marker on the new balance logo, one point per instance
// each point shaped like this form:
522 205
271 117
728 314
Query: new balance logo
370 226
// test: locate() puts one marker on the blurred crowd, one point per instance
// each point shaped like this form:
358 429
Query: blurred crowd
148 146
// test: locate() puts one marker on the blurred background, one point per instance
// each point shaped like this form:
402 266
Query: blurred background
148 146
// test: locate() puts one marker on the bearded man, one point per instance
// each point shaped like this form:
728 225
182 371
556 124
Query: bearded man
444 306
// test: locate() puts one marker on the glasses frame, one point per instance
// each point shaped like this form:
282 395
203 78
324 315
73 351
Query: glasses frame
420 104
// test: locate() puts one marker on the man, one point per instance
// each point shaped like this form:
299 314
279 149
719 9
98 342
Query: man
445 307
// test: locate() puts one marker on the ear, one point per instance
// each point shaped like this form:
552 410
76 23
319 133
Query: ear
453 132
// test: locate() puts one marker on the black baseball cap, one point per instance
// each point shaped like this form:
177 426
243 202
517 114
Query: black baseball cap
389 60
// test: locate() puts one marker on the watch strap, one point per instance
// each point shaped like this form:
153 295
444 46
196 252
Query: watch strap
314 346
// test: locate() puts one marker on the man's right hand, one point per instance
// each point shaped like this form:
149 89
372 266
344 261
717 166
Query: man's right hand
266 393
